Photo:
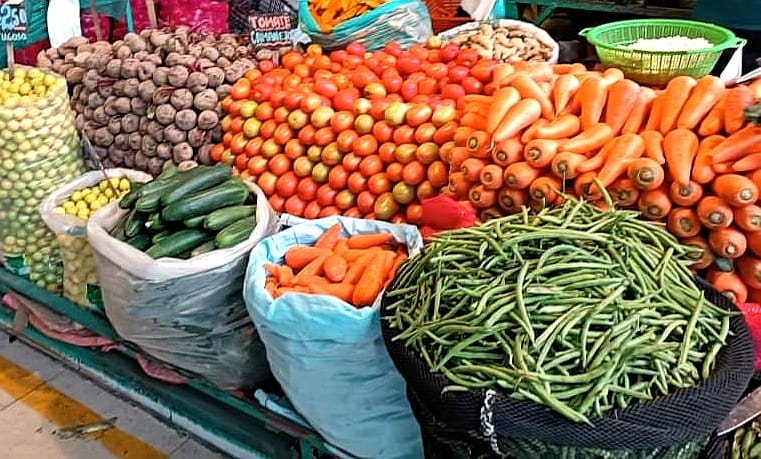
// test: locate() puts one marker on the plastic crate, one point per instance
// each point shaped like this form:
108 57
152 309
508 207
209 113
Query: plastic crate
444 15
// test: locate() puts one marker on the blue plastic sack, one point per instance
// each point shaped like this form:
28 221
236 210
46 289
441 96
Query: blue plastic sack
403 21
329 356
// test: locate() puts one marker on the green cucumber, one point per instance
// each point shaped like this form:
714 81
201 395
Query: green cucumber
155 223
195 222
169 175
236 233
221 218
150 199
158 237
118 230
129 199
178 243
204 180
203 248
141 242
135 223
231 193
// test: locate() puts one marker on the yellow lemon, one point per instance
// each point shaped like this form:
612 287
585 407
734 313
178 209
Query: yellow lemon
76 196
125 185
83 213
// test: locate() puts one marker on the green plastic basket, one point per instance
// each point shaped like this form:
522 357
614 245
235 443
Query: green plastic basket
658 67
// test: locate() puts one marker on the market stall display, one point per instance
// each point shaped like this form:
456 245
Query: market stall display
567 325
150 100
188 313
66 211
39 152
371 23
360 404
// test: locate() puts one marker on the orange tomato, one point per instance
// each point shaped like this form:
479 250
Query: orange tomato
338 177
241 90
216 152
404 134
365 202
279 164
294 148
267 182
282 134
257 165
254 146
379 183
290 59
414 214
286 184
386 152
425 190
281 114
240 163
356 182
277 202
365 145
414 173
346 140
370 165
394 172
295 206
238 143
437 174
312 210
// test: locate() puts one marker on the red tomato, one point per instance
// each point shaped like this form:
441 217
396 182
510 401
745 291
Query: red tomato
352 61
418 114
362 76
414 173
266 66
240 163
286 184
414 214
424 133
365 202
267 182
306 135
290 59
371 165
394 172
468 57
471 85
392 81
356 49
356 182
283 133
292 100
386 152
427 86
310 102
365 145
312 210
345 200
279 164
393 48
437 71
437 174
254 147
238 143
351 162
382 131
338 55
379 183
426 190
445 133
256 165
378 109
267 129
330 154
281 114
345 99
295 206
483 70
404 134
353 212
241 89
307 189
330 211
338 177
408 64
458 73
277 202
325 87
293 148
342 121
346 140
409 89
277 97
324 136
227 139
326 196
449 52
452 91
264 111
427 153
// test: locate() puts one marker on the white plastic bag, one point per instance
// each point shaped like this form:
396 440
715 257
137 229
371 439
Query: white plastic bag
329 356
80 283
187 313
63 21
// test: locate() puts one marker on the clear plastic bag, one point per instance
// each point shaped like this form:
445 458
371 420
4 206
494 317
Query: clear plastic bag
329 356
80 280
403 21
39 152
187 313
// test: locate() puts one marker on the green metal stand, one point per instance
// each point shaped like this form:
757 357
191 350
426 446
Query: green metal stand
549 6
231 424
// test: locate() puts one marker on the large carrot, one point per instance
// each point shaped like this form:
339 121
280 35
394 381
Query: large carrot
702 254
471 168
314 268
492 177
654 204
713 123
654 146
683 222
520 116
474 121
563 91
737 145
501 73
628 148
754 242
755 177
686 195
530 133
370 240
329 238
545 189
624 192
749 268
702 170
592 138
680 147
623 96
563 127
373 278
637 118
299 256
479 144
646 173
751 162
583 185
539 153
520 175
357 268
677 92
748 217
738 98
512 201
564 69
482 198
530 89
727 242
654 120
335 268
342 290
565 164
728 284
598 160
714 212
706 94
593 93
507 152
736 190
503 100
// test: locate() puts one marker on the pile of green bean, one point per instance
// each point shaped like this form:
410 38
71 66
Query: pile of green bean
746 443
580 309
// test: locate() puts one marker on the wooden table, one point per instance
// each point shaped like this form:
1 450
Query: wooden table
547 7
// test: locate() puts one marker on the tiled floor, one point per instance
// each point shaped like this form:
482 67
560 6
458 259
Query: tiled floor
38 396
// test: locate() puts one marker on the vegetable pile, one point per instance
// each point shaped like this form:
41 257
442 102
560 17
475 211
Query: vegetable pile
747 442
354 269
39 152
150 100
183 214
684 155
506 43
78 263
350 133
328 14
580 309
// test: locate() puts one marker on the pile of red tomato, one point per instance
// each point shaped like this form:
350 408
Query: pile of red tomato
350 132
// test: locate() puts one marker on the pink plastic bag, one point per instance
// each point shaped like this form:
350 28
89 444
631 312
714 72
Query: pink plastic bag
444 213
208 16
752 313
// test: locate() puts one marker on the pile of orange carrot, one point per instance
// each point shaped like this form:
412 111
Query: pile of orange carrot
355 269
683 154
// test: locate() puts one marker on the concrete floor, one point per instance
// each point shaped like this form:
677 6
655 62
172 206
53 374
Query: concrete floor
39 396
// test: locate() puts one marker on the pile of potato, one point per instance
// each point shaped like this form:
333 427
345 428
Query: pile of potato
151 100
39 152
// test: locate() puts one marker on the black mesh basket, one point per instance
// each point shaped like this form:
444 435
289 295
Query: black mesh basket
674 426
